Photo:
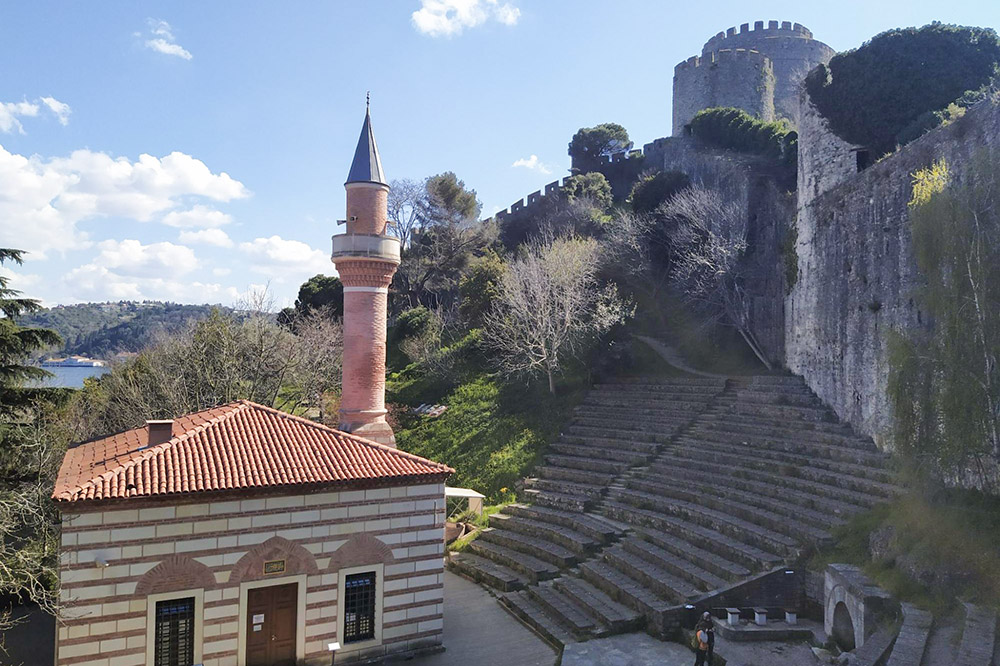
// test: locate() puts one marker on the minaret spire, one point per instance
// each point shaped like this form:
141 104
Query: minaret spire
366 259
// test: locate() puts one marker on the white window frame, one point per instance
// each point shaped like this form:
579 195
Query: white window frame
300 614
379 570
199 621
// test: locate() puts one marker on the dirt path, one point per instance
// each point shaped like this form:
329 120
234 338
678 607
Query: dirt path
673 357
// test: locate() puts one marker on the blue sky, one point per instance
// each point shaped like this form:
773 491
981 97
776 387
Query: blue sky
195 151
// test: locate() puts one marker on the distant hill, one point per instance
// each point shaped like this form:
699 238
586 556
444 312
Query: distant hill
100 330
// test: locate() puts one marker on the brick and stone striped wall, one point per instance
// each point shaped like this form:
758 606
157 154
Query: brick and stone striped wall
115 556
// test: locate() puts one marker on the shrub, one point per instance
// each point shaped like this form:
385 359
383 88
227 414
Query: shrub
892 88
735 129
653 189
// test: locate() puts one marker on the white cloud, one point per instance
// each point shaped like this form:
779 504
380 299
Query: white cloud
221 272
61 109
92 282
43 200
216 237
9 113
127 269
532 164
132 258
444 18
162 40
284 259
202 217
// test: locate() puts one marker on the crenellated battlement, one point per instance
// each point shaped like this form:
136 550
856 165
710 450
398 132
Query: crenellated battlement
734 67
721 56
759 31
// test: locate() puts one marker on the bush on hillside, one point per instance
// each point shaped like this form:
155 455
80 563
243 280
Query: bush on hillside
886 92
653 189
735 129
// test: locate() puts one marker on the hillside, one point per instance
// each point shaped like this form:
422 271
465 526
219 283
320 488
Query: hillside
100 330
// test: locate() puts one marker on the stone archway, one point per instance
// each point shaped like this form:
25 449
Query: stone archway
359 550
176 572
294 558
843 627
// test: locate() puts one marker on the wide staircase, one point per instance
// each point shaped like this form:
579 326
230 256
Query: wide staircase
660 492
968 638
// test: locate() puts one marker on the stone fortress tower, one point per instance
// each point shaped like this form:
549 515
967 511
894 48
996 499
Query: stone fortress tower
366 259
758 70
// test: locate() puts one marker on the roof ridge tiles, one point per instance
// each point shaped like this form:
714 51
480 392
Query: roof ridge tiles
208 457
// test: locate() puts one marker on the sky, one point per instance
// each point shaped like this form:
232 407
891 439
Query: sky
196 151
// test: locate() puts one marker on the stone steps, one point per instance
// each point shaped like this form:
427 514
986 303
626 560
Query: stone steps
625 590
659 580
592 491
978 636
912 640
667 411
794 413
876 647
726 523
531 545
523 606
801 444
637 445
836 510
533 568
486 571
697 441
566 611
733 549
798 523
874 490
830 433
578 542
588 464
595 527
692 385
640 404
711 561
600 453
629 425
805 480
608 612
680 566
574 475
555 500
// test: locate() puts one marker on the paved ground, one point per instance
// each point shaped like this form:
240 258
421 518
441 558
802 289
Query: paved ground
478 632
627 650
772 653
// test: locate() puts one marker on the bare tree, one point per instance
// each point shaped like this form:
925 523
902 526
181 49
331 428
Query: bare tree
405 201
710 263
550 307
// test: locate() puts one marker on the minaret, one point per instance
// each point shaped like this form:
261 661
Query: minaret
366 259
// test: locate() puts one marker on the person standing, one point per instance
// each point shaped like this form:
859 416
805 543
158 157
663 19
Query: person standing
704 638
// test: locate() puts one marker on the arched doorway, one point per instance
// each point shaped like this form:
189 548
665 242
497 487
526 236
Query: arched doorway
843 627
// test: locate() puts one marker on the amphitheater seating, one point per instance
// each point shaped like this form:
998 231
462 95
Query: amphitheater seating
660 492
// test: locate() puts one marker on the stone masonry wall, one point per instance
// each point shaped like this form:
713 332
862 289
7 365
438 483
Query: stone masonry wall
757 185
730 77
789 48
856 268
113 558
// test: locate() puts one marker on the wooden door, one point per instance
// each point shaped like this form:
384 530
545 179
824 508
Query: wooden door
272 623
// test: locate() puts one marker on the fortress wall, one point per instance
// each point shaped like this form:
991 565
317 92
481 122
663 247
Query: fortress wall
789 47
770 210
857 273
729 77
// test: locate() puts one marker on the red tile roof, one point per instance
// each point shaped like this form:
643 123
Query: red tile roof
238 446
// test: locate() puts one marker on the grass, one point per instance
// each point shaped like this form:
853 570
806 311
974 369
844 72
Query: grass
480 521
947 530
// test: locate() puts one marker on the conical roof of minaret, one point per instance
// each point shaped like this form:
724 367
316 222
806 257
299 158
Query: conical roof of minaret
367 165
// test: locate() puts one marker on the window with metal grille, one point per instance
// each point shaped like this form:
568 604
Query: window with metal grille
359 607
174 633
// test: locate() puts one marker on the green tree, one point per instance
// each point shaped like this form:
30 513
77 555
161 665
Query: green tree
449 237
651 190
944 381
479 288
879 95
29 455
593 187
592 145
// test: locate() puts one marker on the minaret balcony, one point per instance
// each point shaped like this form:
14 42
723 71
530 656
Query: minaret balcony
366 246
